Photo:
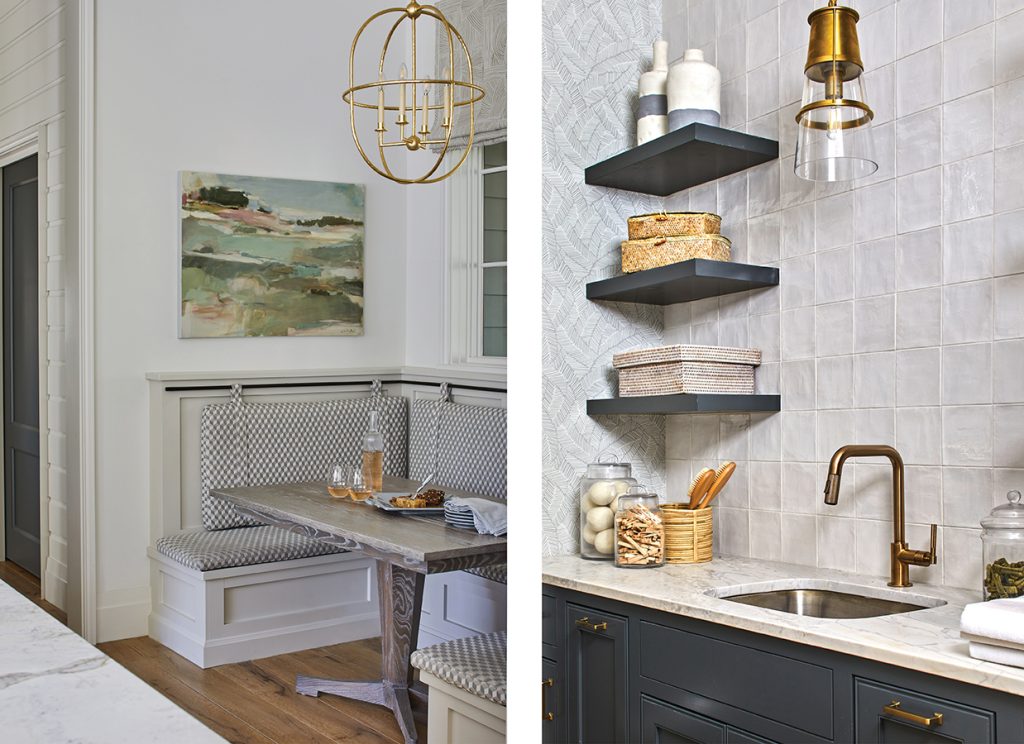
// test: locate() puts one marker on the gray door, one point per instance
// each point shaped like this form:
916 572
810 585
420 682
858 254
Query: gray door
21 363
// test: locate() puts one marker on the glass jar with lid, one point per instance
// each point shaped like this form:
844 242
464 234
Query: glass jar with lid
639 530
1002 536
604 483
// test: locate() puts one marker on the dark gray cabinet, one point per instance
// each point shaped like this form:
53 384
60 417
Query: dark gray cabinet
596 688
885 714
551 691
625 673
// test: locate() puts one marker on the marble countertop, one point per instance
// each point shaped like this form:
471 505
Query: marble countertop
56 687
925 640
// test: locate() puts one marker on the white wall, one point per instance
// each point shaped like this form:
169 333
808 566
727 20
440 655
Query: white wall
236 87
33 55
900 315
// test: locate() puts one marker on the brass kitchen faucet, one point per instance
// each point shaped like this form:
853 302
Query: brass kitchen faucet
901 557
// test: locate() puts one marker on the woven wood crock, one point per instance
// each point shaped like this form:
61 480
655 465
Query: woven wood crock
638 255
689 534
673 224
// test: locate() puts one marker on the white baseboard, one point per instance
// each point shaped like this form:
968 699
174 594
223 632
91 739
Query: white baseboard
55 590
121 621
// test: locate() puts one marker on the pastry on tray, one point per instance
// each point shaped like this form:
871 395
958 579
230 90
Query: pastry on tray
432 498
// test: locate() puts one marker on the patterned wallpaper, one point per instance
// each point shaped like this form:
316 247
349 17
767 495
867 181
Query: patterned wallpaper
594 52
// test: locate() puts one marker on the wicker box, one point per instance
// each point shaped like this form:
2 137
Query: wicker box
673 224
672 370
638 255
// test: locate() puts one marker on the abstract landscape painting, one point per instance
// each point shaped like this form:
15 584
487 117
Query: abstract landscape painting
270 257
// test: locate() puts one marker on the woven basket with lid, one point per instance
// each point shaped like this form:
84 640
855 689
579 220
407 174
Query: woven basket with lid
673 224
638 255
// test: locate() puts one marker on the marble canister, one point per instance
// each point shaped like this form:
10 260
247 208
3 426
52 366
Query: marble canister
694 92
652 113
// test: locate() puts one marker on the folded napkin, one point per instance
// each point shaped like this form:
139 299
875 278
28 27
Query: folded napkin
997 654
997 622
489 517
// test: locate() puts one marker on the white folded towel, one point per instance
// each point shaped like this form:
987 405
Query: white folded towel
490 517
997 622
997 654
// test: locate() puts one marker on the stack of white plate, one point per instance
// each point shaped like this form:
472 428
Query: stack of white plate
459 516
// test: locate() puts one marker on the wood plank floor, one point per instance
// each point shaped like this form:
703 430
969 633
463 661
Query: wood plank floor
25 583
255 701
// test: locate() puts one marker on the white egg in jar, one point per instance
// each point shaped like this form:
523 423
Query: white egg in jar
605 542
589 535
602 492
600 518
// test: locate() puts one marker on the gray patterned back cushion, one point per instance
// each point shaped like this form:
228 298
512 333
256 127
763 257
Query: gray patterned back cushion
260 443
471 445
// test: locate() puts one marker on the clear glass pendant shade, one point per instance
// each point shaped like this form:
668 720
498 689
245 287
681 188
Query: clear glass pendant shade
834 139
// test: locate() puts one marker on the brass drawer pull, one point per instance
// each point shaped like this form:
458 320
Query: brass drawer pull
548 715
584 622
895 709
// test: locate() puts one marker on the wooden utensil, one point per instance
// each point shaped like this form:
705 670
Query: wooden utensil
700 485
722 476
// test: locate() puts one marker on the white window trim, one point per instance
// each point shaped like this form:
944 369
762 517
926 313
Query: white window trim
464 210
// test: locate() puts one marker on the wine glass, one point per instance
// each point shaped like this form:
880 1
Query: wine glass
359 488
339 486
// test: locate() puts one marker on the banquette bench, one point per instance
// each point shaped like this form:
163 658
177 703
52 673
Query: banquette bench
230 590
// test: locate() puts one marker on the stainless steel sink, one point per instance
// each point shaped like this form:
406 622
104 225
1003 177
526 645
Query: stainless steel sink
828 601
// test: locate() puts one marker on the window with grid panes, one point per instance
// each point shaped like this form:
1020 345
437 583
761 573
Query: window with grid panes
494 266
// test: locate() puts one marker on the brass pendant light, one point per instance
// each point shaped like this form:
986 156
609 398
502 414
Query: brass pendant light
414 100
834 139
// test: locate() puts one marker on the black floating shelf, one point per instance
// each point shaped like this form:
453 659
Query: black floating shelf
687 157
686 403
683 282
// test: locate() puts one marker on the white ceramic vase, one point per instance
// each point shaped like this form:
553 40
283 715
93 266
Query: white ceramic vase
652 113
694 92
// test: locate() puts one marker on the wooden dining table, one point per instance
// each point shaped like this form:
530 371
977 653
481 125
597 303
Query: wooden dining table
406 549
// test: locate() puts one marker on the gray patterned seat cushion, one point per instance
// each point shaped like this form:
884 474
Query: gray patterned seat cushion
471 445
471 452
205 550
261 443
477 664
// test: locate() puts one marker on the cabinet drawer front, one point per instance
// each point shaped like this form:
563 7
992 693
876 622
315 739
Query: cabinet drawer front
548 625
661 723
776 687
597 690
874 723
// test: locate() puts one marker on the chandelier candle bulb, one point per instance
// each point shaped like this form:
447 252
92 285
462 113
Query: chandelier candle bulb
402 74
447 99
380 110
425 129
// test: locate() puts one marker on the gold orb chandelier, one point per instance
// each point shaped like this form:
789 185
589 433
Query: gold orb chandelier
425 109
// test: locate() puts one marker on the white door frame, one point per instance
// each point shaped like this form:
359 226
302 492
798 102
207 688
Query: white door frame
34 144
80 286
